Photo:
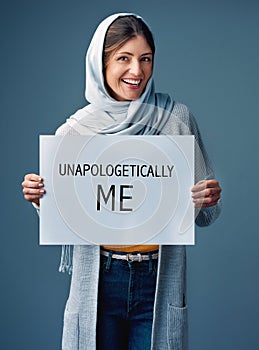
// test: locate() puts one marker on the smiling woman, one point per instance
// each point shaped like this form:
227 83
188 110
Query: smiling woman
129 297
129 69
127 58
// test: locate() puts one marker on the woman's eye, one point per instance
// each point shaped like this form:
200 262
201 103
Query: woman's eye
146 59
122 58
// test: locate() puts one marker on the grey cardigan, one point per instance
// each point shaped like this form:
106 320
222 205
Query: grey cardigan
170 324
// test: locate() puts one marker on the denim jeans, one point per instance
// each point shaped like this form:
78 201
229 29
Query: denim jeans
125 304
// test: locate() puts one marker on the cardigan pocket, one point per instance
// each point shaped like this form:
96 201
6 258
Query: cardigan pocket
177 327
70 331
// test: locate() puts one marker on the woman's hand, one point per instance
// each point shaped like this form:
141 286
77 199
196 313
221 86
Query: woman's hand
206 193
33 188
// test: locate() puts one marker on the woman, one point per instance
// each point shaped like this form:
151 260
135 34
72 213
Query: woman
116 302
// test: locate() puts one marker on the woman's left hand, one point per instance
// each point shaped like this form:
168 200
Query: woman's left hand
206 193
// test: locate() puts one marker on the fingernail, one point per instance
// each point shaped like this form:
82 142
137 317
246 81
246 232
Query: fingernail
40 185
42 191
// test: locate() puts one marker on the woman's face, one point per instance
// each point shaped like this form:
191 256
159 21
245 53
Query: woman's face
129 69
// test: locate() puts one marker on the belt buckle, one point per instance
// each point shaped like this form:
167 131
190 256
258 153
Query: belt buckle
137 255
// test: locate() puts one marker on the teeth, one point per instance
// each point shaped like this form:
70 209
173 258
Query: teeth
132 81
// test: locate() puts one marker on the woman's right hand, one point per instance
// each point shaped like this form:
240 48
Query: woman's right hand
33 188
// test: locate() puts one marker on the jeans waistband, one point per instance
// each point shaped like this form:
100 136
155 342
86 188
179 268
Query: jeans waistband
134 256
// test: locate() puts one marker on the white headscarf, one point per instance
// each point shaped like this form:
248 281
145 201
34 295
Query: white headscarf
105 115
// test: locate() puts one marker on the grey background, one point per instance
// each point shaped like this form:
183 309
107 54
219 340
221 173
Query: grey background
207 58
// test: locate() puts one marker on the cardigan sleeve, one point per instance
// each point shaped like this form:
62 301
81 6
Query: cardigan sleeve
182 122
63 130
203 171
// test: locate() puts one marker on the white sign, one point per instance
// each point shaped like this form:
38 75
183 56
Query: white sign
117 189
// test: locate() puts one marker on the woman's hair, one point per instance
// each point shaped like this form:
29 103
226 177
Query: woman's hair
120 31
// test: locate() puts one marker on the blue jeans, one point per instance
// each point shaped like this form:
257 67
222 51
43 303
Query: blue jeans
125 304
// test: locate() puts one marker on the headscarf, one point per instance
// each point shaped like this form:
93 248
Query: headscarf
105 115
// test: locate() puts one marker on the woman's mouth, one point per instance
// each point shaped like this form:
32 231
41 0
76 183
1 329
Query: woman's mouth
132 82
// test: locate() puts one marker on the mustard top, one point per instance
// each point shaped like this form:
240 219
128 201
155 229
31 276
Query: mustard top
131 248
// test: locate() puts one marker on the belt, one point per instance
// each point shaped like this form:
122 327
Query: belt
131 257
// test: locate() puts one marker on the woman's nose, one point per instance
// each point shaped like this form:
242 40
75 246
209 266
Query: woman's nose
135 67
